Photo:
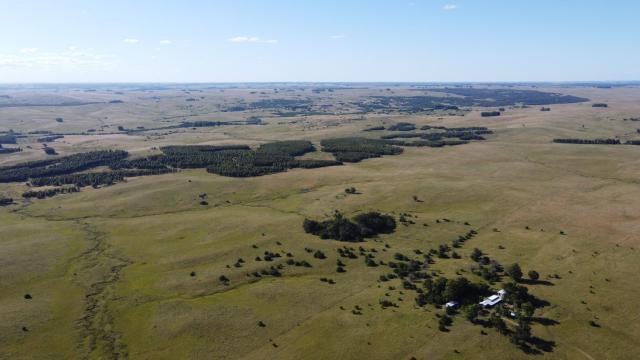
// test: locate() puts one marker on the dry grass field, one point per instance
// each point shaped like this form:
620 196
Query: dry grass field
132 270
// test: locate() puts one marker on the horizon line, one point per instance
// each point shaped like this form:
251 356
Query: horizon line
321 82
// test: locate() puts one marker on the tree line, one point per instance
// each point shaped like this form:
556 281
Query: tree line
588 141
51 138
96 178
442 136
9 138
4 150
356 149
41 194
60 166
232 160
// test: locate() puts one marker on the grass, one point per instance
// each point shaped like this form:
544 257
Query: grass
155 228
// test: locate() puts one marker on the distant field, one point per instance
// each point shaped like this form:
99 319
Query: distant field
133 270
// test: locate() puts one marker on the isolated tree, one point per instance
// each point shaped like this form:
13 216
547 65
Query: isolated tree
522 332
517 294
533 275
476 254
497 322
515 272
472 311
444 321
527 310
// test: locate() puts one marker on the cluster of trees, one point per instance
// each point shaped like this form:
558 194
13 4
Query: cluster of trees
202 123
351 190
490 113
588 141
487 268
60 166
402 126
290 148
445 107
343 229
51 138
96 178
467 97
8 138
506 97
428 143
402 136
466 128
460 136
228 160
253 120
374 128
4 150
232 160
466 135
297 105
443 290
600 105
597 141
356 149
41 194
50 151
267 159
413 104
5 201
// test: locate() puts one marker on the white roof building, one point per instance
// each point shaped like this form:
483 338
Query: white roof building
451 304
493 299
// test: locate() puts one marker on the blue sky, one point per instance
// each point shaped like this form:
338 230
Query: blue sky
323 40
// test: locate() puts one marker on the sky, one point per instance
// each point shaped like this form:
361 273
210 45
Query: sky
44 41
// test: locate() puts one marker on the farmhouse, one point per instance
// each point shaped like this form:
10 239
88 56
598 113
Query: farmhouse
494 299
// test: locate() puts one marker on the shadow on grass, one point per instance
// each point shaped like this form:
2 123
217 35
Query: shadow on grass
544 321
536 282
536 346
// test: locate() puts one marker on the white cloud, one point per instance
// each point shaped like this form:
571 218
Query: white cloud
131 41
28 50
338 36
251 39
72 58
166 42
450 7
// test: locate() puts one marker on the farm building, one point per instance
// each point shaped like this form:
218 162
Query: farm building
494 299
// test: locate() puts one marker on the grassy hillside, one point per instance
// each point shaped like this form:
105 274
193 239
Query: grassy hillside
133 270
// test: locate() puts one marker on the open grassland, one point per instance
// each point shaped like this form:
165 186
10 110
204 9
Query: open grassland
133 270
